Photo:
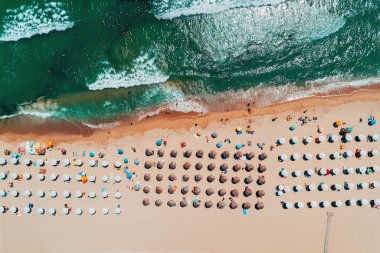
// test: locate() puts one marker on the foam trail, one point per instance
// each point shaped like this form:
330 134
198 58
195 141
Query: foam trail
29 20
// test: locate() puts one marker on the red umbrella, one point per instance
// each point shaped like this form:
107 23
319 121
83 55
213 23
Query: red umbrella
259 205
250 155
225 154
171 190
260 193
246 205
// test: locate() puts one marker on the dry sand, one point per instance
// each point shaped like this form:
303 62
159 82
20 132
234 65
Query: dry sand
176 229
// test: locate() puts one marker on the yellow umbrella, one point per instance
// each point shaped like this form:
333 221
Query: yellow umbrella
338 123
238 129
199 133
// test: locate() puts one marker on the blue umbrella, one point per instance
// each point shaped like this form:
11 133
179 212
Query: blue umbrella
136 162
129 175
159 142
120 151
239 146
126 160
92 154
372 122
292 128
219 144
214 135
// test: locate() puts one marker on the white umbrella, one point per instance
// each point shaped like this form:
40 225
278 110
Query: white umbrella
335 171
105 211
27 161
336 155
104 194
283 173
65 211
375 137
363 185
376 202
311 187
310 172
79 162
280 193
348 138
376 168
312 204
3 161
14 160
294 140
362 170
104 163
2 209
78 211
288 205
286 189
66 178
321 156
297 173
66 162
14 176
350 186
281 141
117 210
92 195
41 177
334 138
308 156
364 202
283 157
78 194
361 137
362 153
352 202
338 187
374 152
92 178
78 177
53 194
375 184
14 209
27 193
27 176
321 139
118 179
15 193
325 204
2 193
299 188
308 139
299 204
323 172
324 187
54 162
91 211
27 209
92 163
52 211
66 194
117 164
40 194
3 176
337 203
105 178
40 162
295 157
117 195
40 210
280 187
348 153
348 170
53 177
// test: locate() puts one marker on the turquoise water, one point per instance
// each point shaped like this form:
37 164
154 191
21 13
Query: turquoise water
92 61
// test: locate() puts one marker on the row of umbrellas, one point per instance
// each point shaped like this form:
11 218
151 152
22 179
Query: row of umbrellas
335 171
335 203
53 211
53 194
320 156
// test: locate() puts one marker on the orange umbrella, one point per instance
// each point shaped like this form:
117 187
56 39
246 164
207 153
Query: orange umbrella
84 179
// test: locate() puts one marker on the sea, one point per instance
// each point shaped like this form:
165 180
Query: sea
95 62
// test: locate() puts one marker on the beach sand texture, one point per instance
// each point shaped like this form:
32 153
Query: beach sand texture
175 229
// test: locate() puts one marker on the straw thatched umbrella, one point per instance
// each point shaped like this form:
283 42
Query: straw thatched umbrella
160 165
172 177
211 166
238 155
146 202
259 205
172 165
248 180
173 153
158 202
149 152
186 165
246 205
185 177
210 178
221 204
235 180
198 177
262 168
212 154
146 189
188 153
171 203
247 191
263 156
210 191
222 178
199 153
235 193
260 193
185 190
236 167
225 154
249 167
234 204
160 152
198 166
196 204
208 204
250 155
224 167
159 189
159 177
172 190
222 192
147 177
148 165
196 190
183 203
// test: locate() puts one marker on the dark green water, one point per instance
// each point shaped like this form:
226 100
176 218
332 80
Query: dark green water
99 60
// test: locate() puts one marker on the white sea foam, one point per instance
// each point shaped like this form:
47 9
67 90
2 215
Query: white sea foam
169 9
42 115
144 71
102 125
32 19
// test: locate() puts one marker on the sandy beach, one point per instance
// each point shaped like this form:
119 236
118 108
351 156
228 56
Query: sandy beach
263 224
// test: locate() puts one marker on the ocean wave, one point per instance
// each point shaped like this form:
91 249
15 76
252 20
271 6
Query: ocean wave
29 20
144 71
42 115
171 9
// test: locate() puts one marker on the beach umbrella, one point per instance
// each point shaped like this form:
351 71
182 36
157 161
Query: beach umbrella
224 167
92 163
185 177
27 176
149 152
212 154
2 209
117 210
235 180
92 178
172 177
299 205
321 156
185 190
283 173
196 190
2 176
171 203
221 204
186 165
234 204
198 177
208 204
348 171
307 156
78 194
159 177
105 211
280 141
246 205
362 170
188 153
280 187
349 186
334 138
308 140
360 137
348 154
260 181
287 189
375 184
158 202
283 157
310 172
52 211
325 204
160 152
222 178
337 203
91 211
117 195
14 209
219 144
292 128
310 187
78 211
104 164
374 152
79 162
324 187
105 178
159 142
288 205
54 162
3 161
148 165
173 153
41 177
159 189
261 169
210 191
248 191
363 185
362 153
171 189
235 193
294 140
211 166
160 164
321 139
53 194
312 204
210 178
40 194
249 167
214 135
239 146
297 173
40 210
66 194
375 137
222 192
298 188
351 202
92 195
260 193
199 153
348 138
14 161
118 179
225 154
172 165
238 155
263 156
27 193
259 205
15 193
236 167
250 155
335 171
66 162
53 177
65 211
3 193
376 168
14 176
198 166
337 187
363 202
66 178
